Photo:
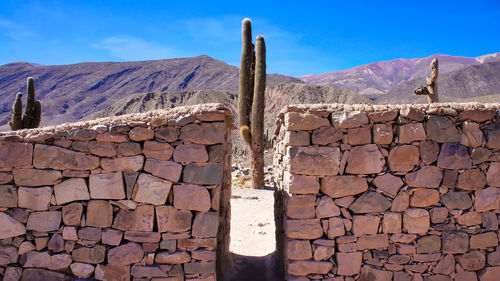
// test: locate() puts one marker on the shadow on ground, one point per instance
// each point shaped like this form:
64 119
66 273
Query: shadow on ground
247 268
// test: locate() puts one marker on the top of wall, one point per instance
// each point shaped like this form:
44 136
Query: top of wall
178 116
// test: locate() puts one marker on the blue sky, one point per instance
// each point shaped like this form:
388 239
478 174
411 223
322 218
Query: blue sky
302 37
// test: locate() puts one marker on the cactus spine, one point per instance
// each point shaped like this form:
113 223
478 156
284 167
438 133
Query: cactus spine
251 99
32 112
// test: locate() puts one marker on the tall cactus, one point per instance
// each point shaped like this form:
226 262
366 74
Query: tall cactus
32 112
251 99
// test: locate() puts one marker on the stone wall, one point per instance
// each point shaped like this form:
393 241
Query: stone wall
133 197
409 192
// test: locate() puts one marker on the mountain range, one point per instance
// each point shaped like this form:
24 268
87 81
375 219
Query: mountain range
72 92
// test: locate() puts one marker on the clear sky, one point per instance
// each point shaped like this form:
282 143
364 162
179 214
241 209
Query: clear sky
302 37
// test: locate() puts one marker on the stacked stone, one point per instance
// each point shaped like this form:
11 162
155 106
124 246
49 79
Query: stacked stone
407 192
120 200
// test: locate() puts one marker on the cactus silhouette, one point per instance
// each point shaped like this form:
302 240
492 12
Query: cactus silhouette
252 85
32 112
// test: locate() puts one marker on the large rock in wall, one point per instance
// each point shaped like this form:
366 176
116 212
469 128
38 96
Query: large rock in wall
133 197
407 192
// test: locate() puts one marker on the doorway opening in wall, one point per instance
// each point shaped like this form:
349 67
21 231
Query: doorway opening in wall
252 233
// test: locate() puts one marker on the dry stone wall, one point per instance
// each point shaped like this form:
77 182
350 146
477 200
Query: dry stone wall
136 197
409 192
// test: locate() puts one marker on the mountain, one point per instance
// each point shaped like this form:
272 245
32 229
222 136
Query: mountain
378 78
70 92
469 83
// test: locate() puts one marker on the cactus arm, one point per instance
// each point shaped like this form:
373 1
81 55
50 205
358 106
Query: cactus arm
30 104
246 80
258 105
37 114
16 122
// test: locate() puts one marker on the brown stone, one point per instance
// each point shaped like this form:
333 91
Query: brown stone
92 255
336 227
5 177
151 189
303 229
193 244
370 202
301 206
423 197
384 115
89 233
489 221
75 174
456 200
490 274
111 237
57 158
403 238
295 121
322 253
189 153
466 276
455 242
401 202
370 273
314 161
480 154
106 186
198 173
141 236
365 159
493 175
34 177
99 213
411 132
34 198
429 151
82 270
429 176
366 224
469 218
12 273
492 132
326 208
60 262
445 266
44 221
205 225
8 196
416 221
349 264
172 258
359 136
298 250
158 150
168 170
15 154
484 240
341 186
403 158
56 243
300 138
72 213
200 268
429 244
126 254
471 135
191 197
203 255
168 134
392 223
73 189
8 254
171 219
388 183
487 199
477 114
382 133
112 272
349 119
474 260
103 149
472 179
303 268
140 219
454 156
107 137
377 241
441 129
323 136
69 233
128 149
35 259
204 133
35 274
141 134
127 164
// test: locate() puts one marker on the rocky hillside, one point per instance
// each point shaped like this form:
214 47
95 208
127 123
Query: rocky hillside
469 83
70 92
379 78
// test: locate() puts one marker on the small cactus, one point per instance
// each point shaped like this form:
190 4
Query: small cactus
32 112
251 99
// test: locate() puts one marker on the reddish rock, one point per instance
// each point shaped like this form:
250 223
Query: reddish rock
106 186
384 115
127 164
191 197
450 178
314 161
423 197
429 151
298 250
5 177
140 219
359 136
411 132
479 155
441 129
322 136
126 254
493 175
416 221
401 202
151 189
303 268
170 219
388 183
128 149
60 262
326 208
445 266
34 177
455 242
456 200
111 237
349 264
15 154
200 173
188 153
34 198
349 119
323 253
471 135
303 229
378 241
298 138
336 227
454 156
469 218
492 132
168 134
487 199
466 276
89 233
158 150
429 176
472 261
82 270
204 133
144 237
301 206
392 223
92 255
44 221
489 221
57 158
370 273
168 170
103 149
99 213
366 224
341 186
141 134
382 133
484 240
490 274
107 137
429 244
370 202
56 243
35 259
477 114
72 213
403 158
73 189
298 184
12 273
365 159
172 258
472 179
205 225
